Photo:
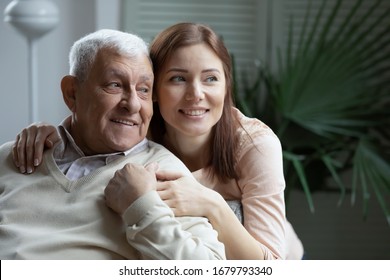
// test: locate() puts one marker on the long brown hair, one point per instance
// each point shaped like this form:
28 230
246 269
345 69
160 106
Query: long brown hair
224 141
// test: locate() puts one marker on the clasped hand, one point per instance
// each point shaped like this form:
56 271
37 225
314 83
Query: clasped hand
128 184
183 194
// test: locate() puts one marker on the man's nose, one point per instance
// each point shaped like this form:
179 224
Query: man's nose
130 101
194 92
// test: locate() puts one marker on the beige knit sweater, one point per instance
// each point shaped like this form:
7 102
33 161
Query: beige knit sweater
46 216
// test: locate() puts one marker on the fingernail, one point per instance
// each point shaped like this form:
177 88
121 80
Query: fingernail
36 162
22 169
29 170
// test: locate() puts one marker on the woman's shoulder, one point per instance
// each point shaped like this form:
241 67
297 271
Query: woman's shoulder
252 130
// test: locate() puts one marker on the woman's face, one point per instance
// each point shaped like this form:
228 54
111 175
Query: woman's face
191 89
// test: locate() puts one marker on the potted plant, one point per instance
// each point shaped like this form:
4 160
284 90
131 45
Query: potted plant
329 104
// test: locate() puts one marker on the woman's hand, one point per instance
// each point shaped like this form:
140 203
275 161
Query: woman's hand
128 184
29 145
185 195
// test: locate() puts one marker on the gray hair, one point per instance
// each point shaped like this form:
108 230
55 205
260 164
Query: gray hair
84 51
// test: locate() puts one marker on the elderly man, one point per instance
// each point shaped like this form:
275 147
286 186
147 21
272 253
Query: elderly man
60 211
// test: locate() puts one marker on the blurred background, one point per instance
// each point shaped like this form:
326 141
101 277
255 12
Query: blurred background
256 33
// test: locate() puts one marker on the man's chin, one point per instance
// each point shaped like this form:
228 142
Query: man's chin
123 147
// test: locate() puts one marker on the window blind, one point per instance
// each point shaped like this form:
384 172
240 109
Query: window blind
234 20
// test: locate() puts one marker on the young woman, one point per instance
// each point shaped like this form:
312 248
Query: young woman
231 156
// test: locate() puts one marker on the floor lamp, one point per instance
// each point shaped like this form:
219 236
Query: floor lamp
33 19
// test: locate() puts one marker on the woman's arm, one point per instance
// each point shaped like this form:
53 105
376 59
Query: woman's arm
187 197
30 143
261 183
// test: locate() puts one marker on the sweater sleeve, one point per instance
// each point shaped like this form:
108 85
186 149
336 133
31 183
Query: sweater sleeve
154 231
262 186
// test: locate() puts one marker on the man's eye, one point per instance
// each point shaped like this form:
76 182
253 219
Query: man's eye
144 93
144 90
114 85
113 88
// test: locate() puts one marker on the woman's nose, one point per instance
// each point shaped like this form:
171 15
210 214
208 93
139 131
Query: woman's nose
194 92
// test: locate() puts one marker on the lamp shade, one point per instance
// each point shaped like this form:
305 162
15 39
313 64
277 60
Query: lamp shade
32 18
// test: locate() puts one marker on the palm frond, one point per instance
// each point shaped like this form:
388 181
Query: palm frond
300 170
373 171
329 100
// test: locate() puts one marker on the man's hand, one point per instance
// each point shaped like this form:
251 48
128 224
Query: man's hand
128 184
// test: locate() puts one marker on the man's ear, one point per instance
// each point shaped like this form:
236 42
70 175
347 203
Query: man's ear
69 89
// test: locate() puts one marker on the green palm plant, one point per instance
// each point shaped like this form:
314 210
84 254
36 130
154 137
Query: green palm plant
329 104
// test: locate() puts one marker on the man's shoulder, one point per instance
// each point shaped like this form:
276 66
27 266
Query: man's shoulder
157 146
166 159
6 160
7 144
160 152
6 148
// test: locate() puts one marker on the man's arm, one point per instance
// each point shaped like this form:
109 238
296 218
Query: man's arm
151 226
154 231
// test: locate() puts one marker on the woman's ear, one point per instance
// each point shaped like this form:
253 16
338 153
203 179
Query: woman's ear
69 89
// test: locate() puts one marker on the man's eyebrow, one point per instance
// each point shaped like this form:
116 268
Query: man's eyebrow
119 72
116 72
146 78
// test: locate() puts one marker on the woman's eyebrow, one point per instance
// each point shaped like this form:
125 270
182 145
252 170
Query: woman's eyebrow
211 70
175 69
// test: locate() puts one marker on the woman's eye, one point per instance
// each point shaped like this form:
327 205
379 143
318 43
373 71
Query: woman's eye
211 79
177 79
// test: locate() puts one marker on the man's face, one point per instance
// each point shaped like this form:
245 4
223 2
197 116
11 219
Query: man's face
113 107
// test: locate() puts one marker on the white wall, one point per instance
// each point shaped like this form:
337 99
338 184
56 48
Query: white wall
77 18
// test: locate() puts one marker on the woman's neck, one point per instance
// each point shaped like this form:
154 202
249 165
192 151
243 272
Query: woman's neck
194 152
